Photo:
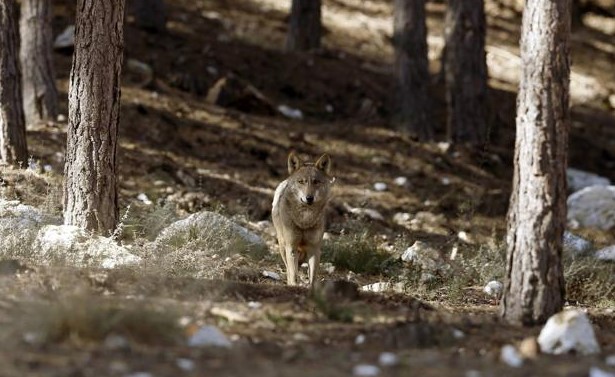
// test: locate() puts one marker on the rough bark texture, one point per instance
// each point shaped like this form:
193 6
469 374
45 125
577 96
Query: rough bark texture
150 15
90 189
13 148
412 68
305 25
39 87
534 288
465 71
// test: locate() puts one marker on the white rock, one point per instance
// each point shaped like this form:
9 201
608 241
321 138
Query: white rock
272 275
597 372
254 305
209 336
380 186
207 223
579 179
458 334
400 181
61 118
140 374
187 365
328 267
494 288
143 70
289 112
401 217
380 286
593 207
76 246
66 38
569 330
445 181
143 198
365 370
388 359
360 339
606 254
465 237
329 108
610 360
425 256
116 342
383 286
367 212
575 245
509 355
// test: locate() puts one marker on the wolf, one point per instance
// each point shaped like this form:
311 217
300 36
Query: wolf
298 213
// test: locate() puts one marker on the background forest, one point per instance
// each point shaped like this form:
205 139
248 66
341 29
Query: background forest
182 276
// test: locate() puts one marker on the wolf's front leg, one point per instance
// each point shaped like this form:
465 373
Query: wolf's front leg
292 266
313 264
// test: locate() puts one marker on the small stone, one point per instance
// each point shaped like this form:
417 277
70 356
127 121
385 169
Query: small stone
388 359
510 356
186 365
229 315
606 254
597 372
465 237
329 108
301 337
579 179
401 217
143 198
328 267
566 331
458 334
209 336
575 245
528 348
400 181
289 112
116 342
445 181
377 287
360 339
61 118
494 288
610 360
272 275
66 38
255 305
365 370
380 186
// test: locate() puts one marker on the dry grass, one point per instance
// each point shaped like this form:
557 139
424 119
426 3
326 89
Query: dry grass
84 318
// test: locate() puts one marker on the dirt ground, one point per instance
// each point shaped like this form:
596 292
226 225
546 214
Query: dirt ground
176 147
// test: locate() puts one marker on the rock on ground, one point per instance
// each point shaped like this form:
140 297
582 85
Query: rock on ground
209 336
606 254
576 246
579 179
206 226
592 207
76 246
566 331
19 225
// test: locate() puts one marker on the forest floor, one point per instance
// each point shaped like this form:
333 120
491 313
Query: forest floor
177 147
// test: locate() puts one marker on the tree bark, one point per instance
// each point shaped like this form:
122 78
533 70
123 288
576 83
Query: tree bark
305 25
412 69
13 147
90 190
39 87
534 288
465 71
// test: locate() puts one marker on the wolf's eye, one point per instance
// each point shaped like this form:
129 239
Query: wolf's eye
302 181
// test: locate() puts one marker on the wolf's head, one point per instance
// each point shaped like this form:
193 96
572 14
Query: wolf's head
309 182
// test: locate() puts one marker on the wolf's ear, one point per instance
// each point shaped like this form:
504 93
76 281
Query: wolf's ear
324 163
294 162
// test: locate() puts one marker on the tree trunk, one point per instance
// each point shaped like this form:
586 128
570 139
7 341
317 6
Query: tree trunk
305 25
90 189
13 148
39 87
412 69
534 288
150 15
465 71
